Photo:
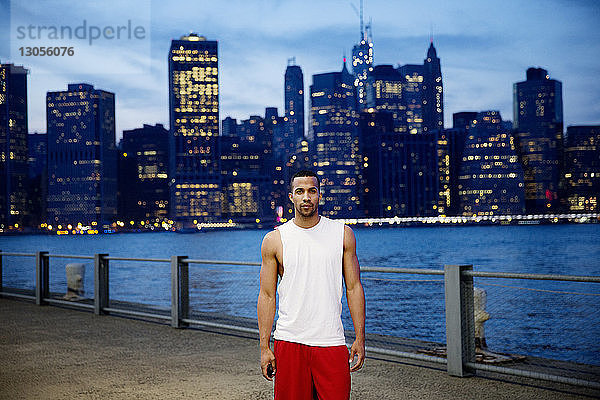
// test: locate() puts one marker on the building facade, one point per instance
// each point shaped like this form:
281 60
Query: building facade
538 124
433 92
336 144
294 102
144 175
413 97
13 147
195 186
383 88
362 65
82 157
399 169
491 177
581 180
37 148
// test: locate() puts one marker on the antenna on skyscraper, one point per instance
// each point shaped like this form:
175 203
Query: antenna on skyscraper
362 32
431 32
368 31
360 16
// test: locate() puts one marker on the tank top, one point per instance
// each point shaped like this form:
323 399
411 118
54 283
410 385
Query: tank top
310 291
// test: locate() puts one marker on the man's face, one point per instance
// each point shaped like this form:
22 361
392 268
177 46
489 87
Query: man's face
305 195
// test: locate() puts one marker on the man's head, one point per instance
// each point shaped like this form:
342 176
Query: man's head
305 193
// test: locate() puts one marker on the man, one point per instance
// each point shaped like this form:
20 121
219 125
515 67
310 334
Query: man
311 254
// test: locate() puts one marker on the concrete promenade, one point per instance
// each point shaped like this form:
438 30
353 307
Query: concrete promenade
56 353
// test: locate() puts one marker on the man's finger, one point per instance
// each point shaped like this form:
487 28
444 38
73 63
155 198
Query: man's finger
359 363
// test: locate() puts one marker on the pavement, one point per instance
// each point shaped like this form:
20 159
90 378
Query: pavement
49 352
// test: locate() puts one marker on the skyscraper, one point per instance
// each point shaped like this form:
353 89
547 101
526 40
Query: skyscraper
413 97
37 148
362 62
491 178
194 123
82 157
335 131
433 92
294 102
383 88
144 188
399 169
538 124
582 169
13 146
463 120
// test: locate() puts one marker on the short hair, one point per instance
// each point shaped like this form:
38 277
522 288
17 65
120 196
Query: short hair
302 174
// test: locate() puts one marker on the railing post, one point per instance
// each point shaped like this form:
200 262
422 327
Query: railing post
460 324
101 295
1 290
42 277
180 299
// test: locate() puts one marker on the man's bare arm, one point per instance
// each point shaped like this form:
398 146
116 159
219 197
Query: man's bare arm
266 298
356 297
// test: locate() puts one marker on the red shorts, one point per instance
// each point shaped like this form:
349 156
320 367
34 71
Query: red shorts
311 372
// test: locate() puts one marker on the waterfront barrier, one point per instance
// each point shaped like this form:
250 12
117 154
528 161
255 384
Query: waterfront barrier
455 284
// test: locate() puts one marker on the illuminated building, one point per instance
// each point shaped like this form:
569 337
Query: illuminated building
463 120
246 189
451 143
294 102
399 169
538 124
384 93
582 169
144 169
335 132
491 177
252 129
194 114
413 97
82 158
13 146
433 92
362 63
37 148
450 147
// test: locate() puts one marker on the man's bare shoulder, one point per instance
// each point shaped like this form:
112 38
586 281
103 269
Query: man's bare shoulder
272 241
348 235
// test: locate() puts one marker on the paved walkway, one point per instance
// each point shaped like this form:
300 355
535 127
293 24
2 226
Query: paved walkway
56 353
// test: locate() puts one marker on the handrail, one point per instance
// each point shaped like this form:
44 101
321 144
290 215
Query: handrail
18 254
221 262
70 256
541 277
393 270
138 259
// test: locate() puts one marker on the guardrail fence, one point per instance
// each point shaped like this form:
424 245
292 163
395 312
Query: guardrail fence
437 315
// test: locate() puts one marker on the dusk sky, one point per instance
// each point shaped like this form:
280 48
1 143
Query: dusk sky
484 48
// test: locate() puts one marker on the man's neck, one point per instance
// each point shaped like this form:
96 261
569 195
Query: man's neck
306 222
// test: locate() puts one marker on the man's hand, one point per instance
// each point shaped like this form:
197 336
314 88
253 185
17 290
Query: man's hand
267 358
357 349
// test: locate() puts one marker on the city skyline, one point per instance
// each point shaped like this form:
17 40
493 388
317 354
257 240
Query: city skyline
255 43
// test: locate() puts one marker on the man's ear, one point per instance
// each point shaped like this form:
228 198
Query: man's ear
290 196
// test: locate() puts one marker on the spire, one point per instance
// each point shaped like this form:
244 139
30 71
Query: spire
344 68
431 53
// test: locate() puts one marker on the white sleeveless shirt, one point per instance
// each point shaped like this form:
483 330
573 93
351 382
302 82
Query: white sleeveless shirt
310 291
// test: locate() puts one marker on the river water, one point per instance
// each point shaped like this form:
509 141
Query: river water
559 320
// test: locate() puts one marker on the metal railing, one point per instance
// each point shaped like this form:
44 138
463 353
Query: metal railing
458 289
